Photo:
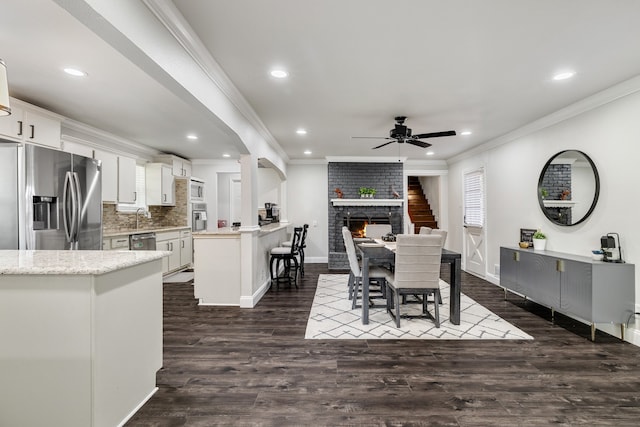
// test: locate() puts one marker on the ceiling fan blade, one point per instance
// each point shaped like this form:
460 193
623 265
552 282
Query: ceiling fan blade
382 145
372 137
435 134
418 143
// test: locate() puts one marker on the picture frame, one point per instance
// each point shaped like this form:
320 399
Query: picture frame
526 235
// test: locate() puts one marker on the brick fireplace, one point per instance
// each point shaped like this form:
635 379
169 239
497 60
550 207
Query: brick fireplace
353 212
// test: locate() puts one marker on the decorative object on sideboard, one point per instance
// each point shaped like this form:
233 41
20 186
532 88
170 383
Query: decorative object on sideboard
5 109
539 241
611 250
339 193
526 236
394 193
367 193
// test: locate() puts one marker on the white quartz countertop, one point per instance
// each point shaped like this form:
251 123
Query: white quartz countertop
73 262
140 231
234 231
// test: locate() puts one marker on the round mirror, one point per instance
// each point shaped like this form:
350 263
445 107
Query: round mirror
568 188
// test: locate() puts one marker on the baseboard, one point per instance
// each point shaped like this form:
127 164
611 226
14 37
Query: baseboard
316 260
252 300
492 278
137 408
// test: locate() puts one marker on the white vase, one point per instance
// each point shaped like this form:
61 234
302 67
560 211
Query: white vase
539 244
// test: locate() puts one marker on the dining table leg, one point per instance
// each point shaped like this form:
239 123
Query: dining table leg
454 286
365 290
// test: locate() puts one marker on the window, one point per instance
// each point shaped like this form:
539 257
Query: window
474 198
141 201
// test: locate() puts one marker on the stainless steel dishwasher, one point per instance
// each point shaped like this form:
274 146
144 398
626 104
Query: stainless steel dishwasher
142 242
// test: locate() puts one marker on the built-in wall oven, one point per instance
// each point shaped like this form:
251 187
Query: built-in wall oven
198 217
196 190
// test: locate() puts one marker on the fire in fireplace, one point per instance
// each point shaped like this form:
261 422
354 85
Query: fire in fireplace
358 223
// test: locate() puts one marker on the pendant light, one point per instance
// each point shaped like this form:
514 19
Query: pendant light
5 109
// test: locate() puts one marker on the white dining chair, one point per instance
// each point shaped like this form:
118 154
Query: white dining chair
417 272
376 274
376 231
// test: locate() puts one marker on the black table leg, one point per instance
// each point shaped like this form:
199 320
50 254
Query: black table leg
454 286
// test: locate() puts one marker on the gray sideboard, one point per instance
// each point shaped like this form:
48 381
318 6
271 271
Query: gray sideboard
594 291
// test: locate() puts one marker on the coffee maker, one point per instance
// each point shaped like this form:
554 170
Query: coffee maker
611 249
272 212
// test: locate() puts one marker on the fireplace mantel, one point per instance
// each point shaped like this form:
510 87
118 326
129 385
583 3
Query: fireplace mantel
366 202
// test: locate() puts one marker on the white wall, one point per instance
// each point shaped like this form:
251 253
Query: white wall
268 186
609 134
308 204
208 170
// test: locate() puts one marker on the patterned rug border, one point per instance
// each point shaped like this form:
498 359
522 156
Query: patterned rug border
331 317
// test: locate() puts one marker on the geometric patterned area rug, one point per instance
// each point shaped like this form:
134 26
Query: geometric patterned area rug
331 317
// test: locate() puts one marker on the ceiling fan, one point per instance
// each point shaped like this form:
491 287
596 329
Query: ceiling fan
401 134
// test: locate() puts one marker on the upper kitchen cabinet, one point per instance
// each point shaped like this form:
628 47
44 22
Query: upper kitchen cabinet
28 123
181 168
118 177
160 185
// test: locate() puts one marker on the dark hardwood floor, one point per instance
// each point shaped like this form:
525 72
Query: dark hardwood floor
253 367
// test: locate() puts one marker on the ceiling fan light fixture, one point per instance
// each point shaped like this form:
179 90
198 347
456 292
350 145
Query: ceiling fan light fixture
5 109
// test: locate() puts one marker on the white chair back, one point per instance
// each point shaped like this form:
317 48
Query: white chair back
351 252
425 230
417 261
442 233
376 231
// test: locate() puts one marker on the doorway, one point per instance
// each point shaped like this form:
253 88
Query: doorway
474 221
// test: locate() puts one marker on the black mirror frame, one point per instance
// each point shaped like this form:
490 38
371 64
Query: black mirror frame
595 196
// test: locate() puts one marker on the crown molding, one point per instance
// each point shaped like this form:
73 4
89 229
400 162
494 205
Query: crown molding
308 162
100 139
171 18
596 100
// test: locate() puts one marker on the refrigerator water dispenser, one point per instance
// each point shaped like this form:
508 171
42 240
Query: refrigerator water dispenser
45 210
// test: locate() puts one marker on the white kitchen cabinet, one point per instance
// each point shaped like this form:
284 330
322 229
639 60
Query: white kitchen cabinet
28 123
160 185
77 148
126 180
169 241
109 175
180 167
118 177
186 248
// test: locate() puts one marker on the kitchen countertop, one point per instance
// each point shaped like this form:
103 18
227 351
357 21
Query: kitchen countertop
234 231
72 262
126 232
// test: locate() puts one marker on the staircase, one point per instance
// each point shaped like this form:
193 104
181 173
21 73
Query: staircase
419 209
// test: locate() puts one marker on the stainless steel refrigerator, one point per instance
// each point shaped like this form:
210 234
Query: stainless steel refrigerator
49 199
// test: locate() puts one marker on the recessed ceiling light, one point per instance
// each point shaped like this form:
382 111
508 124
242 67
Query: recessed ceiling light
564 75
192 136
75 72
279 74
301 132
226 155
429 153
307 152
465 132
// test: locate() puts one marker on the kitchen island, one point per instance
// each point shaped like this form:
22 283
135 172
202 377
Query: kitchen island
219 264
80 335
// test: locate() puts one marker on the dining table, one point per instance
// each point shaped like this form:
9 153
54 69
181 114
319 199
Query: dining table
379 252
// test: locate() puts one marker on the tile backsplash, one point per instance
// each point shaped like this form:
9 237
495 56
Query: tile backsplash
161 216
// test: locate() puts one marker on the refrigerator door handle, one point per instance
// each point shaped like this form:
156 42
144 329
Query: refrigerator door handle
77 209
67 192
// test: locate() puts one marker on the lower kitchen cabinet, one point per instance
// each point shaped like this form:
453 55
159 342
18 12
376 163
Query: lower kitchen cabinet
594 291
179 244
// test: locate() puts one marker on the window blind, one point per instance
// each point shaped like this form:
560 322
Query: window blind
474 198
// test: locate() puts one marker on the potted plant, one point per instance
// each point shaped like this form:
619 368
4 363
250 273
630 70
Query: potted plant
543 193
539 241
367 193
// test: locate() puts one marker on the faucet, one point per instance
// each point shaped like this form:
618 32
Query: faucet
137 212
